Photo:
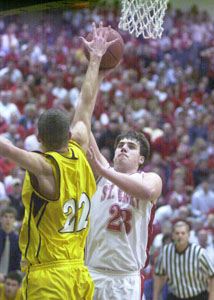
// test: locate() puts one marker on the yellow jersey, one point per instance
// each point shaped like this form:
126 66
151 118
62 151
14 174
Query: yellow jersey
56 229
3 295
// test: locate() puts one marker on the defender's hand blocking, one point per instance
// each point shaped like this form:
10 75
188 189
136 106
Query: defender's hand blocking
99 44
95 164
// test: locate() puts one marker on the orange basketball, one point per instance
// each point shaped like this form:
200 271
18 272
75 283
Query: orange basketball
113 54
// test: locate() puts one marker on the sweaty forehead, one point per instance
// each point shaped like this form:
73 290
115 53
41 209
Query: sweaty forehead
129 141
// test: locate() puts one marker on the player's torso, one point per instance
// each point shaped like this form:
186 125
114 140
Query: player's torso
56 230
118 234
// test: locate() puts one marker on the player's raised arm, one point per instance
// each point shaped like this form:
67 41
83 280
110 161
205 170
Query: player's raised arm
30 161
82 118
92 141
100 158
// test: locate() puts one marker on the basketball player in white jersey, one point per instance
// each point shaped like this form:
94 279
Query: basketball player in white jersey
121 218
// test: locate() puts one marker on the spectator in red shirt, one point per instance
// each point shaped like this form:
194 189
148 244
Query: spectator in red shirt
166 144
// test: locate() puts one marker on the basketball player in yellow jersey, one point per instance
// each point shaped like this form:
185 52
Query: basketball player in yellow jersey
56 194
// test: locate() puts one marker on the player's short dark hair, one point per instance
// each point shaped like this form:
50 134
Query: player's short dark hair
14 275
139 137
53 128
9 210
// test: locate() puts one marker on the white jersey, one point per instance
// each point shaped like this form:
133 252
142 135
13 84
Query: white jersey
119 230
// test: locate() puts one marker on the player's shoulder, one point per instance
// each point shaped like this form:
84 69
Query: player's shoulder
73 144
151 175
76 147
153 179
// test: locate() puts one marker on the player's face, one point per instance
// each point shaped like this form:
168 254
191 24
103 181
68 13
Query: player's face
127 154
11 288
181 236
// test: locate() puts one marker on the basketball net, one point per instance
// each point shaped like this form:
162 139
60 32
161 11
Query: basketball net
143 17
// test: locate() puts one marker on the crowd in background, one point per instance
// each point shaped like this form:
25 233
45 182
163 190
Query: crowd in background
163 88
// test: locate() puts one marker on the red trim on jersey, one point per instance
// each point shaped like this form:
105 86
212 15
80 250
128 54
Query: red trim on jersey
149 242
150 229
142 283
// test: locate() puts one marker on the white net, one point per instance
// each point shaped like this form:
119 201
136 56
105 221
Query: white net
143 17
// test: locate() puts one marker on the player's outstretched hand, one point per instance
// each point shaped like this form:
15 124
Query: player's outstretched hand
94 162
98 45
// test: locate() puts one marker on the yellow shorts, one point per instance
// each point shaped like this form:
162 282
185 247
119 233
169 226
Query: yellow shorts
61 280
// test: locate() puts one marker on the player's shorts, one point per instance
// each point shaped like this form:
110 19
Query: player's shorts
61 280
116 286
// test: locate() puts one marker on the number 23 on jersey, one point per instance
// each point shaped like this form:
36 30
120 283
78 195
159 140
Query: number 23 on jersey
120 218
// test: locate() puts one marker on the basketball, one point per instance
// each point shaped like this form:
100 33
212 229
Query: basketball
113 54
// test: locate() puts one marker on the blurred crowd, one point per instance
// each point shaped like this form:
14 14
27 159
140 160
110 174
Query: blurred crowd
163 88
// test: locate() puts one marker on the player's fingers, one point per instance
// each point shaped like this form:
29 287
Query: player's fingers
94 29
85 43
83 40
101 32
101 29
113 41
107 32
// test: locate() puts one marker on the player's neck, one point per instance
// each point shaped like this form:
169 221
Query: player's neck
64 149
125 169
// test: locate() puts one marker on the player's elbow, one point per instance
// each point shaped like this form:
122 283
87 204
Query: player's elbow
80 133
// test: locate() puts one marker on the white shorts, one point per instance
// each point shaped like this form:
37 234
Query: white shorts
116 286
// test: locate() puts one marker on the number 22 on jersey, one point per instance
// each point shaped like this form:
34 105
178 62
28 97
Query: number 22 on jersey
70 209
